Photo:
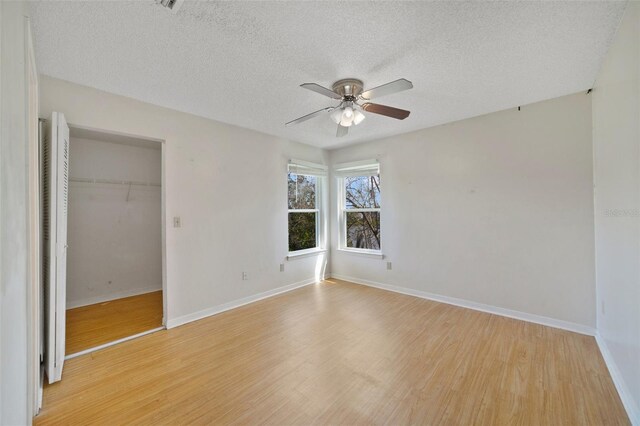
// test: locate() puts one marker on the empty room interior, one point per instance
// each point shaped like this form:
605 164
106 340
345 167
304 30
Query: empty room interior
319 212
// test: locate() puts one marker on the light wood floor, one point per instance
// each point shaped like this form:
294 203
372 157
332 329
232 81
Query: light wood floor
340 353
95 325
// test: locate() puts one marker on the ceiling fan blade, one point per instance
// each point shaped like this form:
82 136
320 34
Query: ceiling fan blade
342 131
309 116
322 90
392 112
387 89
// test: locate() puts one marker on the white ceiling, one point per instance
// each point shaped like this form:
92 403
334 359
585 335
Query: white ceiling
242 62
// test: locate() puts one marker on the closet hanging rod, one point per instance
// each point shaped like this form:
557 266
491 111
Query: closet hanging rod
113 182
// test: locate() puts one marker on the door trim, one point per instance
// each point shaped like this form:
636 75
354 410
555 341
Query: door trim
34 373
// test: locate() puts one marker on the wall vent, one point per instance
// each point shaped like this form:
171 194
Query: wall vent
172 5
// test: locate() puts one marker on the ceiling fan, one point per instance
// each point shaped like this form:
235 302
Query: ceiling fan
353 101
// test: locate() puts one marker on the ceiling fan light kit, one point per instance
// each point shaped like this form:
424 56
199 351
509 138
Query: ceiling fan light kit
353 101
347 116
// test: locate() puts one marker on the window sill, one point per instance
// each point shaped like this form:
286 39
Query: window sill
305 253
365 253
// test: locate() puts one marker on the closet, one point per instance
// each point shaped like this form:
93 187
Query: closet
114 260
103 256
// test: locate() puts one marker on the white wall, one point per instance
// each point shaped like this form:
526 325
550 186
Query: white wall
114 231
496 210
13 216
616 139
227 184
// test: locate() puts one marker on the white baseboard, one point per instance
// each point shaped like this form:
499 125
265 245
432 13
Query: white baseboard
175 322
112 296
523 316
629 404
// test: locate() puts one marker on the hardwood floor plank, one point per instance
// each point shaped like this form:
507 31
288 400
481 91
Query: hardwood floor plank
94 325
341 353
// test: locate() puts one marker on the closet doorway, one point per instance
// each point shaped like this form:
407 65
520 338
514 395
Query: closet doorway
114 288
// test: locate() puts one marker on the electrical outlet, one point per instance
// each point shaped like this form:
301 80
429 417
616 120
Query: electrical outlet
176 222
282 267
244 276
389 266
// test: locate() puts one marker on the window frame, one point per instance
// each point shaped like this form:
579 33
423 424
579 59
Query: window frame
343 210
315 170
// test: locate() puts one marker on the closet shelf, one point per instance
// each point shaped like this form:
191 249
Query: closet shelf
113 182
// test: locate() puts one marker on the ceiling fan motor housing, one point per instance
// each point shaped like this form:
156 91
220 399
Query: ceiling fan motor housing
348 88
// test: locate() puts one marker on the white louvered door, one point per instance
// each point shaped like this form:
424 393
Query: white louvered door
57 183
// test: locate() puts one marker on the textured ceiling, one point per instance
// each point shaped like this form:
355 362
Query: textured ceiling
242 62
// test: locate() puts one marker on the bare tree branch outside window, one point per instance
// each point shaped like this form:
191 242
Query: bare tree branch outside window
303 213
362 212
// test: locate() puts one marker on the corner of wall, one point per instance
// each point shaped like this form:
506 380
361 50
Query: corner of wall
616 157
618 380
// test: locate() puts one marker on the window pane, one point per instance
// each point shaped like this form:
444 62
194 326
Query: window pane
362 192
302 191
302 231
363 230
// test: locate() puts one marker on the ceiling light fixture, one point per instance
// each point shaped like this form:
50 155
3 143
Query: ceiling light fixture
347 115
358 117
